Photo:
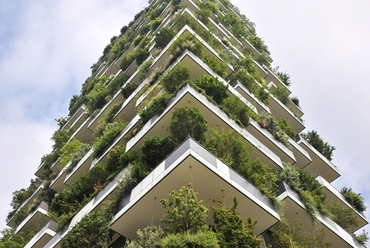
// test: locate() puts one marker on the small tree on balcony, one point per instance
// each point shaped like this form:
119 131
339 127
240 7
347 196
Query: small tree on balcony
319 144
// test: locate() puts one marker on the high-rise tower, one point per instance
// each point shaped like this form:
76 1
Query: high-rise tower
185 94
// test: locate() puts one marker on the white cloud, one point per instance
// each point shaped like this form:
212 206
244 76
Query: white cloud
45 58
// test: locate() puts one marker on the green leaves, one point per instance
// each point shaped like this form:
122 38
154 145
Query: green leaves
319 144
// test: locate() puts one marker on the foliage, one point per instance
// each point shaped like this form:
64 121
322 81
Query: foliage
345 217
60 138
295 100
230 229
111 112
155 23
284 77
127 60
281 93
91 232
232 149
234 24
212 87
10 239
141 55
110 132
144 69
74 104
276 128
308 188
156 107
176 78
186 42
284 126
216 65
78 155
362 238
66 153
203 238
155 149
319 144
356 200
187 121
150 236
117 83
183 212
129 89
236 110
163 37
258 43
98 96
293 235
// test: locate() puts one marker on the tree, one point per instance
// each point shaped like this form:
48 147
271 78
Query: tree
10 239
230 229
150 236
155 149
345 217
291 234
183 212
187 122
319 144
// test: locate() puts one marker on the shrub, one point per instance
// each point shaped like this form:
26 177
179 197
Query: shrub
163 37
345 217
141 55
176 78
236 109
157 106
129 89
356 200
281 93
295 100
117 83
213 87
110 132
66 153
319 144
187 122
98 96
155 23
155 149
216 65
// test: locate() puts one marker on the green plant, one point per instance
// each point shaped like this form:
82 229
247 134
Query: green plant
284 126
356 200
345 217
78 155
212 87
284 77
179 75
186 42
155 149
319 144
295 100
187 122
141 55
98 96
110 132
117 83
156 107
362 238
276 128
66 153
236 109
280 93
216 65
163 37
144 69
155 23
129 89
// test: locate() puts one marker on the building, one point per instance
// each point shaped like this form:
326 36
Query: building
129 98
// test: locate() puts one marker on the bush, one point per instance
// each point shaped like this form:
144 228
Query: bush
156 107
98 96
319 144
155 149
109 133
213 88
187 122
155 23
216 65
354 199
141 55
129 89
66 153
117 83
163 37
176 78
236 109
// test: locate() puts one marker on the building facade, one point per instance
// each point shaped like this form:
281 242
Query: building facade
113 148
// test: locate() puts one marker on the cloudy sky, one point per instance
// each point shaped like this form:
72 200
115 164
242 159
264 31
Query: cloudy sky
47 48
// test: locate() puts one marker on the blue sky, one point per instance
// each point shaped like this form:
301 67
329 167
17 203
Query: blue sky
47 48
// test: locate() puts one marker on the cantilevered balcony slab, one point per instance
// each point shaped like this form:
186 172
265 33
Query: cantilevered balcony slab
302 157
294 108
43 236
76 119
216 118
260 106
280 111
191 163
270 142
271 77
319 165
83 133
94 204
35 220
57 184
27 203
82 166
333 196
295 209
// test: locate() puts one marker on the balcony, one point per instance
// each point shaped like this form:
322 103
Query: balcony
216 118
270 142
280 111
334 196
76 119
302 157
27 203
43 236
271 77
82 166
319 165
191 163
260 106
333 232
57 184
35 220
83 133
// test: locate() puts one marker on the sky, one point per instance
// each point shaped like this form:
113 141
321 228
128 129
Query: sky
47 48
